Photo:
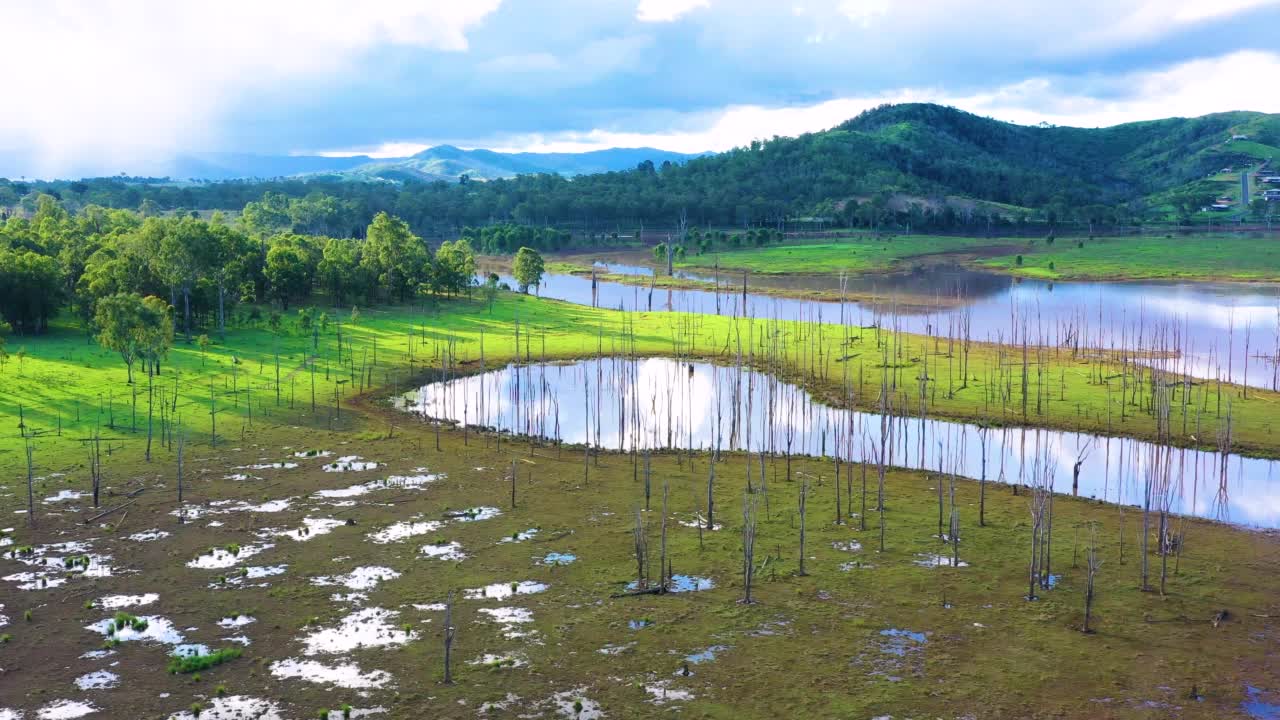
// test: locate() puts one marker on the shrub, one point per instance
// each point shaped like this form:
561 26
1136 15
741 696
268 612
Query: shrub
1018 261
195 663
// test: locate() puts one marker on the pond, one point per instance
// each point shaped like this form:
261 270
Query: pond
659 403
1226 330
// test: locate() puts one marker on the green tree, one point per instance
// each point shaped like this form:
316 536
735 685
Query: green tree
289 272
30 290
134 327
395 256
340 271
527 268
454 267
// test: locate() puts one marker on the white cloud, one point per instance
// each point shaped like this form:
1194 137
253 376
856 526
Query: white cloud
132 80
666 10
1189 89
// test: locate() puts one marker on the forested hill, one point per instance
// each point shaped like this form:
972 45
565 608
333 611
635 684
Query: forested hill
945 158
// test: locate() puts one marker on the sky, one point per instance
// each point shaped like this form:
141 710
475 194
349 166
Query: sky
128 85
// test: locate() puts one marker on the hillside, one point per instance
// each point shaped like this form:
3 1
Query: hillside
918 165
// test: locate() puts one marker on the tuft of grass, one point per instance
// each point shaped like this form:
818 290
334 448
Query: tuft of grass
195 663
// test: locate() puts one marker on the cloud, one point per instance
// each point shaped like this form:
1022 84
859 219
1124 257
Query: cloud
128 84
666 10
1188 89
127 81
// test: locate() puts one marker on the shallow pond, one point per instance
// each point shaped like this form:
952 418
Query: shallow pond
1212 318
661 403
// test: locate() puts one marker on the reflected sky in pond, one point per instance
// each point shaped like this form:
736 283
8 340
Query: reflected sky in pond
1212 321
661 403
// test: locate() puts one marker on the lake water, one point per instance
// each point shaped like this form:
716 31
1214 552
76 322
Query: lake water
620 404
1212 323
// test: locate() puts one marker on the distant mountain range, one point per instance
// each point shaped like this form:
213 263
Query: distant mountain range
442 162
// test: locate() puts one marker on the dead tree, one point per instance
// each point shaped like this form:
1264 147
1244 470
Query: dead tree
1093 563
748 545
448 639
804 494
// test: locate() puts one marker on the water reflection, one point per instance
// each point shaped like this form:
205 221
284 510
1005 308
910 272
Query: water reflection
620 404
1226 330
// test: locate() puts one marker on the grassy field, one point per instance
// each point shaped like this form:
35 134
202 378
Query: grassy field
858 254
1203 257
1212 257
65 386
822 644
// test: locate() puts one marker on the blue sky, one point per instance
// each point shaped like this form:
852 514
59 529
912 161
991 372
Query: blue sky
131 83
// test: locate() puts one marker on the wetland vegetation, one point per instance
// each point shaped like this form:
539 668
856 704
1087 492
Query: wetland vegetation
282 475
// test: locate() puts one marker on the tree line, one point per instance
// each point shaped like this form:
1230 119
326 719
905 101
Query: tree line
103 264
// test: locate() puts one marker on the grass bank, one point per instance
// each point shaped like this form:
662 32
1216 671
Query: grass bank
65 388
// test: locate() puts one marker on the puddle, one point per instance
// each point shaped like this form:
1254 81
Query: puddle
347 675
510 618
36 580
65 496
268 466
224 557
616 649
558 558
707 655
99 680
362 629
355 713
253 572
640 624
900 642
311 527
856 565
404 530
158 629
65 710
502 591
474 514
223 507
394 482
1255 707
350 463
573 704
520 536
847 545
927 560
114 602
149 535
190 650
234 707
239 639
447 551
682 583
240 477
362 578
497 662
699 521
236 621
661 693
313 454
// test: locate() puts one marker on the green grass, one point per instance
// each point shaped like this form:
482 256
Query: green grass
67 386
1211 257
1201 257
857 254
187 664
